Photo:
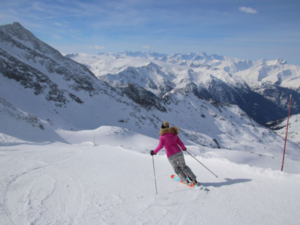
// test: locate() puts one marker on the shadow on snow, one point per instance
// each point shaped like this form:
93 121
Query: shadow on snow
228 182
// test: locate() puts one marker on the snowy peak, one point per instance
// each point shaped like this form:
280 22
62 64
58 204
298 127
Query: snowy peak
254 73
150 77
41 67
146 55
18 31
17 35
177 58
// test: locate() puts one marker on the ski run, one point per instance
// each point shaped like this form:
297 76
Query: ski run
106 183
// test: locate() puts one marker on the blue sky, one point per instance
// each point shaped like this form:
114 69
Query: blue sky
243 29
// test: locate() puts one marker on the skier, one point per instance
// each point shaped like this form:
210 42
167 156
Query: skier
171 142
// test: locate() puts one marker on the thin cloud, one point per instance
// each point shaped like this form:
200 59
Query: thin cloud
58 37
248 10
97 47
60 24
36 6
146 47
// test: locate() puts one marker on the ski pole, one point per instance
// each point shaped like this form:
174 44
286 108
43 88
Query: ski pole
154 174
202 164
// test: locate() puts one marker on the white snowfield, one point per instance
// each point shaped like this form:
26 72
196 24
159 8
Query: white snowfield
109 179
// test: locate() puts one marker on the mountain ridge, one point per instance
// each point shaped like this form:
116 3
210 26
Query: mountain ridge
221 75
88 103
234 65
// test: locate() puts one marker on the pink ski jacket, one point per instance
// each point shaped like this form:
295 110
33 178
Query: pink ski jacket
170 141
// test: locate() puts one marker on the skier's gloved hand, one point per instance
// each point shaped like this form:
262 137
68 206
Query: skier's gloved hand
152 152
184 149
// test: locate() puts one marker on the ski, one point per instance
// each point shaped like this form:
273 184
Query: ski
197 187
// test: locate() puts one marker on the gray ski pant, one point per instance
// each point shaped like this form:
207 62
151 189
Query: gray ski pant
181 169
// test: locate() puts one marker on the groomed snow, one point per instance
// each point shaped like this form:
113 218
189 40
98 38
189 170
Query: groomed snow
111 183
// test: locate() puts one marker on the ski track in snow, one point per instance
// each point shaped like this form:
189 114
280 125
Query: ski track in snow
38 185
68 184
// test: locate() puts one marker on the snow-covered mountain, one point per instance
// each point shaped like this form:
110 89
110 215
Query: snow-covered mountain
254 73
37 81
160 76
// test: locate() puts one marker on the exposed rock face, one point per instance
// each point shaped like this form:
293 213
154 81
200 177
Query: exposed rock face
143 97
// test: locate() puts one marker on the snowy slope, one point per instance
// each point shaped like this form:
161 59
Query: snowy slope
211 124
72 184
19 127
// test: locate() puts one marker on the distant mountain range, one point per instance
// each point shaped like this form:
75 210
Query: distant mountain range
43 92
262 89
254 73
